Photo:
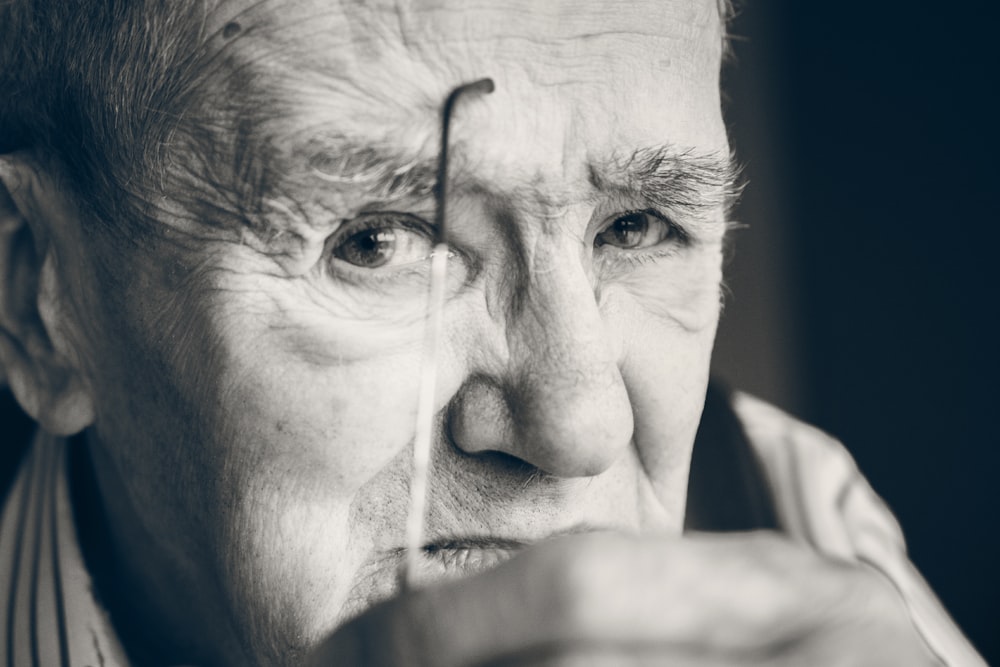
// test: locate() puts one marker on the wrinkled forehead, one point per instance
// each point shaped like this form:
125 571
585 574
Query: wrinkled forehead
576 81
414 51
466 28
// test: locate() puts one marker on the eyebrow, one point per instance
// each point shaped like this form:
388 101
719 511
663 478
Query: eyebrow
684 181
380 172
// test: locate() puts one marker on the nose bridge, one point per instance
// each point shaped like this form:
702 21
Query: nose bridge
568 402
553 315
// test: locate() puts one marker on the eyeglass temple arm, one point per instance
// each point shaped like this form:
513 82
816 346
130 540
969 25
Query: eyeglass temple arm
482 86
432 337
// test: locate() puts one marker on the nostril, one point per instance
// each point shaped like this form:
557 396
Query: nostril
554 432
479 418
569 415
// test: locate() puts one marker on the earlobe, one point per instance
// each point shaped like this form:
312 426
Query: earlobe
43 373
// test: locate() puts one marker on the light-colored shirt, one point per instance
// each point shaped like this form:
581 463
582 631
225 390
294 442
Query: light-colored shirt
51 615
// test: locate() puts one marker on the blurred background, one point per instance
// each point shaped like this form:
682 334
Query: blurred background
862 288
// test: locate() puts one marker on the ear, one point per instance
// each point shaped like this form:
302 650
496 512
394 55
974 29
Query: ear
43 371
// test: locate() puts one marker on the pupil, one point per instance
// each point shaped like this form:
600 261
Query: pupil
630 229
373 248
369 242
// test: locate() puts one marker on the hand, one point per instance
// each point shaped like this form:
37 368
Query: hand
595 600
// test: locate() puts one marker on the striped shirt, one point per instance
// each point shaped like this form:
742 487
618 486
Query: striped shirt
52 617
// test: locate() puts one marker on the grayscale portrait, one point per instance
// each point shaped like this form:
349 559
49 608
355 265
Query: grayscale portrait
381 333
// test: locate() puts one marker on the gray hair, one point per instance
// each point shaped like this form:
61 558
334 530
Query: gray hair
97 87
100 88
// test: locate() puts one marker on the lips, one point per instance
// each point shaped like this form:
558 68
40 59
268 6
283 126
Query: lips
457 558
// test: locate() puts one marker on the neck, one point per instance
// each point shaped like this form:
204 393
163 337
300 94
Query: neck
139 612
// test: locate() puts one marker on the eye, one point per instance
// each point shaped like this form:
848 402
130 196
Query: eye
377 240
637 230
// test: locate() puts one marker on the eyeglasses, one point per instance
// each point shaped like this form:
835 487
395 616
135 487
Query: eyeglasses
432 342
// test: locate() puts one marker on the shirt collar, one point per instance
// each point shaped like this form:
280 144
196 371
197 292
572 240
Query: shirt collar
50 614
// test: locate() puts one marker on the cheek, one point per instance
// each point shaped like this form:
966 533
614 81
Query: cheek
307 394
668 329
292 420
666 377
674 294
299 437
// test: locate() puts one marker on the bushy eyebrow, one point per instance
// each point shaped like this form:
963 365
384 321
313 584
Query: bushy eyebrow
684 181
379 172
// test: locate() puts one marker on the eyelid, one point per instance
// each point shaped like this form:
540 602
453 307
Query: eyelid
373 219
385 277
683 235
614 261
369 220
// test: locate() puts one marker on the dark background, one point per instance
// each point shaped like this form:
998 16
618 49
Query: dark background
863 288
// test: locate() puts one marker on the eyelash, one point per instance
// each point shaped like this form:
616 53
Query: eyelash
369 221
612 258
681 239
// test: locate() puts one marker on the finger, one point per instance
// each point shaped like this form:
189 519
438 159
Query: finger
743 599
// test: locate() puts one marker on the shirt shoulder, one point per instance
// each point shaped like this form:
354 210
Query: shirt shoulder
822 499
48 612
818 491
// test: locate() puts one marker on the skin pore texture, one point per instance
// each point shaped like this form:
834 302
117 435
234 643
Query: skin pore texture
254 379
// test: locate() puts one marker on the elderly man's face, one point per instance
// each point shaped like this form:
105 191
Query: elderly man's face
258 394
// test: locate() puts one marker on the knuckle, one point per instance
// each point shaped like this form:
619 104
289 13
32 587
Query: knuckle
876 611
579 567
870 595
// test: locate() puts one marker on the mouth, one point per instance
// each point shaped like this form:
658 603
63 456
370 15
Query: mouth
460 557
455 557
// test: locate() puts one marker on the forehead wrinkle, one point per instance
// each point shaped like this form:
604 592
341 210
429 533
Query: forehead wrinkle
243 146
419 39
386 171
534 20
378 173
292 52
331 38
276 103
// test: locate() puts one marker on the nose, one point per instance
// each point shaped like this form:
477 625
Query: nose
559 401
